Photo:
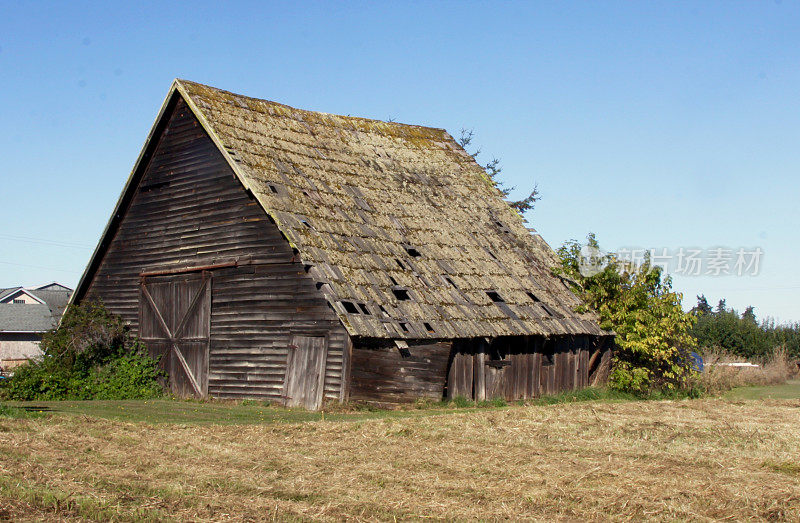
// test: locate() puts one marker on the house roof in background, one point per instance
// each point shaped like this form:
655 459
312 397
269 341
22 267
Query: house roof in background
54 286
8 291
25 317
397 218
29 317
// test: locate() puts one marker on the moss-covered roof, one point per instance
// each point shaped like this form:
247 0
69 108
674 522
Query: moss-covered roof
381 211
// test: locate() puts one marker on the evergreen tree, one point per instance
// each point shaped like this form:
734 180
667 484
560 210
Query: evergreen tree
493 171
702 306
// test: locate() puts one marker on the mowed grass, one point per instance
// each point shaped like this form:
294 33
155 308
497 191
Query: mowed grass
662 460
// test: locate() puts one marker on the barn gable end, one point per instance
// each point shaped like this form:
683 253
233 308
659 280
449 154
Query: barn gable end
186 213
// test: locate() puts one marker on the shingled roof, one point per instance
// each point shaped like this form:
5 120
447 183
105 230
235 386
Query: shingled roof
403 231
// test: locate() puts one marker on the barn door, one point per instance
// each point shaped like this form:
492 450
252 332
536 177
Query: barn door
305 372
175 324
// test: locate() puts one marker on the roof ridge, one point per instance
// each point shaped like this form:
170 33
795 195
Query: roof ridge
183 81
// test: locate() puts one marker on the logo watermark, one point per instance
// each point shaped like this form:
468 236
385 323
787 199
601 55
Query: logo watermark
683 261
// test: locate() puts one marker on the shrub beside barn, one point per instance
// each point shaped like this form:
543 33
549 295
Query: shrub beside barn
269 252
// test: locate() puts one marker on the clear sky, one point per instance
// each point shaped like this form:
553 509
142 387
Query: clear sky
652 124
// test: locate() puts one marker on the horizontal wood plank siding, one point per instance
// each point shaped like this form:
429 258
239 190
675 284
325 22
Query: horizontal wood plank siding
384 375
188 211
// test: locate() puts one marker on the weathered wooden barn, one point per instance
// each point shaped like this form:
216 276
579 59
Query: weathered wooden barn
269 252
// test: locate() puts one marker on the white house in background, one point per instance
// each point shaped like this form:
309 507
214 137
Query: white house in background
26 313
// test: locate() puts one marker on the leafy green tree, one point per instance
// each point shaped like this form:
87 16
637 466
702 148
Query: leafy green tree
653 334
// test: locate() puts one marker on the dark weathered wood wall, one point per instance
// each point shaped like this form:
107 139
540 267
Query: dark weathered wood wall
385 375
188 211
525 366
512 368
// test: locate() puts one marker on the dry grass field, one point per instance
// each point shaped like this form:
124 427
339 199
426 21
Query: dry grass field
694 459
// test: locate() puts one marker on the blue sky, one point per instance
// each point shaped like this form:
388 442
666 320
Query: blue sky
651 124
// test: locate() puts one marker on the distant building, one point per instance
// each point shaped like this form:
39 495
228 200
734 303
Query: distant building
24 315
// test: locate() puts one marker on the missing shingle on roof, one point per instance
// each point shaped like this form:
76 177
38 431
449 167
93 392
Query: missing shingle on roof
364 309
491 254
273 188
404 352
320 284
451 282
307 267
400 264
401 294
305 222
394 282
350 307
383 311
495 297
404 326
533 297
413 252
547 309
428 327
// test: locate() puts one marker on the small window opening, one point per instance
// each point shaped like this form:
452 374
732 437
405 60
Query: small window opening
19 301
364 309
533 297
401 294
394 282
428 327
404 326
495 297
350 307
273 189
413 252
451 282
400 264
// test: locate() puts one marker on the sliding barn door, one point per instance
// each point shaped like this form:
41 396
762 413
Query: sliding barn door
175 324
305 372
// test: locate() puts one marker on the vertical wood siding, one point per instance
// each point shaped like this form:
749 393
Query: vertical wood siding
189 210
525 366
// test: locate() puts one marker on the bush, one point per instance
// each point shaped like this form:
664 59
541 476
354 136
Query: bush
92 355
653 335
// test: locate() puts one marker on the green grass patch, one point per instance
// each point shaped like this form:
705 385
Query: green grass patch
784 467
787 391
15 412
196 412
